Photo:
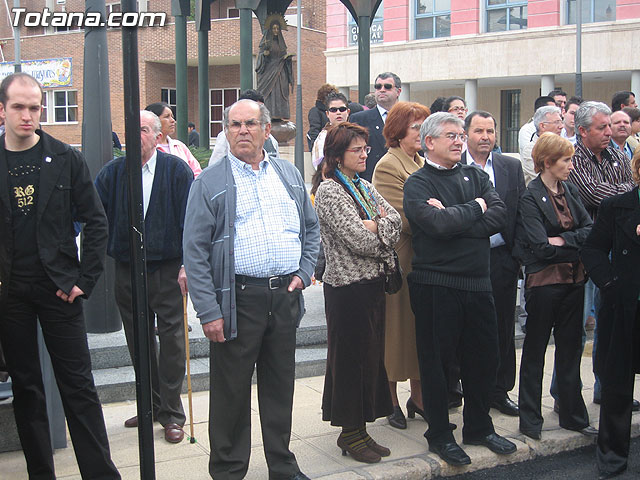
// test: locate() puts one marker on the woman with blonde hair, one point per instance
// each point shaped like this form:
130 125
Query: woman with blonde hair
552 227
402 134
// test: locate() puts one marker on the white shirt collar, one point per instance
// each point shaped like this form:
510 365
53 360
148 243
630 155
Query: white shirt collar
151 163
438 166
489 163
382 111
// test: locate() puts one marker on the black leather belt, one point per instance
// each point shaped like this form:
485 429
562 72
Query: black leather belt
272 283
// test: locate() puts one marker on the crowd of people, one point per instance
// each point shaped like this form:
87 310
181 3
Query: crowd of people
418 227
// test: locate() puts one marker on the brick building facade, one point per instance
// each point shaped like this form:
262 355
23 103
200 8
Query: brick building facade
156 51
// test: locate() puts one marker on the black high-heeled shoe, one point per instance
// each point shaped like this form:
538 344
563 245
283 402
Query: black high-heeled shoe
412 409
397 419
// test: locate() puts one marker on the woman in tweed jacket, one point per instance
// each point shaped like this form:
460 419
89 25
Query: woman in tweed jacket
359 230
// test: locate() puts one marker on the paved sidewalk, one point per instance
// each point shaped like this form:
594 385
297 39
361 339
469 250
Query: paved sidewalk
313 441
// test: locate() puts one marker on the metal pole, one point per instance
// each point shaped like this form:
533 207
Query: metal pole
17 67
101 312
141 327
364 56
203 85
579 48
299 151
182 108
246 49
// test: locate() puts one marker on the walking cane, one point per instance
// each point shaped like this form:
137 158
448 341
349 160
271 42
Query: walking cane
192 439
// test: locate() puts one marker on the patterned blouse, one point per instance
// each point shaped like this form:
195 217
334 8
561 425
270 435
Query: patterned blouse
353 253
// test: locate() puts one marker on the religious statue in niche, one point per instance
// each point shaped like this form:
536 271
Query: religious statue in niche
274 68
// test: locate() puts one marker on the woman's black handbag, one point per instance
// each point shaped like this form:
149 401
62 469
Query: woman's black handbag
393 280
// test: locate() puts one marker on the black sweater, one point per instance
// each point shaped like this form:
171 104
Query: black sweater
451 245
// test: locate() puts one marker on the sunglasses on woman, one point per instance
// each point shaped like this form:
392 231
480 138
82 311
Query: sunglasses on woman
337 109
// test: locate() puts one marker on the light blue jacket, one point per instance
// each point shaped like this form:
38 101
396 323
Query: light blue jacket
208 240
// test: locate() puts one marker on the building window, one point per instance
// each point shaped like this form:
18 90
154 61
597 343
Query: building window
219 99
592 11
233 13
59 106
168 96
509 119
505 15
433 18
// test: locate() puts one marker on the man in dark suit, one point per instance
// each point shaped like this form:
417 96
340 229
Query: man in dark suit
508 180
44 186
387 91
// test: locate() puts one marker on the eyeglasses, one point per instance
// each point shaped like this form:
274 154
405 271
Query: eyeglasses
452 137
366 149
235 126
415 126
387 86
457 109
337 109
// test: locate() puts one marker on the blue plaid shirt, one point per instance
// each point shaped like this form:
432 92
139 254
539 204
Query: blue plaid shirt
267 226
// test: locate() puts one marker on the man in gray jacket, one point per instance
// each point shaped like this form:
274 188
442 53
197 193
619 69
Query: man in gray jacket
251 239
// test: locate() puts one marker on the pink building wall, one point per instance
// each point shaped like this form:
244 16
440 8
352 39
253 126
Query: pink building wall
336 24
465 17
396 20
626 9
543 13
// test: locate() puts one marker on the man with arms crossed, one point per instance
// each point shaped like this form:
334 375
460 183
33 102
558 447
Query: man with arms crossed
453 210
251 240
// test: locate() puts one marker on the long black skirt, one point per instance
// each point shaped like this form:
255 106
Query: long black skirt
356 388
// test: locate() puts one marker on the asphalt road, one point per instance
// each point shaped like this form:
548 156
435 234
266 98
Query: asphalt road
578 464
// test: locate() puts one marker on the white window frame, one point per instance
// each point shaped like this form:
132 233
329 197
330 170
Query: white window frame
48 116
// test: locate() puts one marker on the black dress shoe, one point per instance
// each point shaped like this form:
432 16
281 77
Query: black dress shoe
531 434
299 476
495 443
506 406
397 420
589 431
451 453
605 475
455 402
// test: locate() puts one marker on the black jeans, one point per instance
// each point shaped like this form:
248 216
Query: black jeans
450 321
266 340
557 307
65 336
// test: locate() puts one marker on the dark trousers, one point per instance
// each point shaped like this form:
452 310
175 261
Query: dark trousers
614 434
504 284
266 339
450 321
557 307
65 336
167 366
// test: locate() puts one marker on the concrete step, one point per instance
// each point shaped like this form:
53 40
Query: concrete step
117 384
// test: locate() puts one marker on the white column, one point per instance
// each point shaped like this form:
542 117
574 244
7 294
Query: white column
547 83
405 93
471 94
635 83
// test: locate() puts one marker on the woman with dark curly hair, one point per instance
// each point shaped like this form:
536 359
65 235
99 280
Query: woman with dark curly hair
359 230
